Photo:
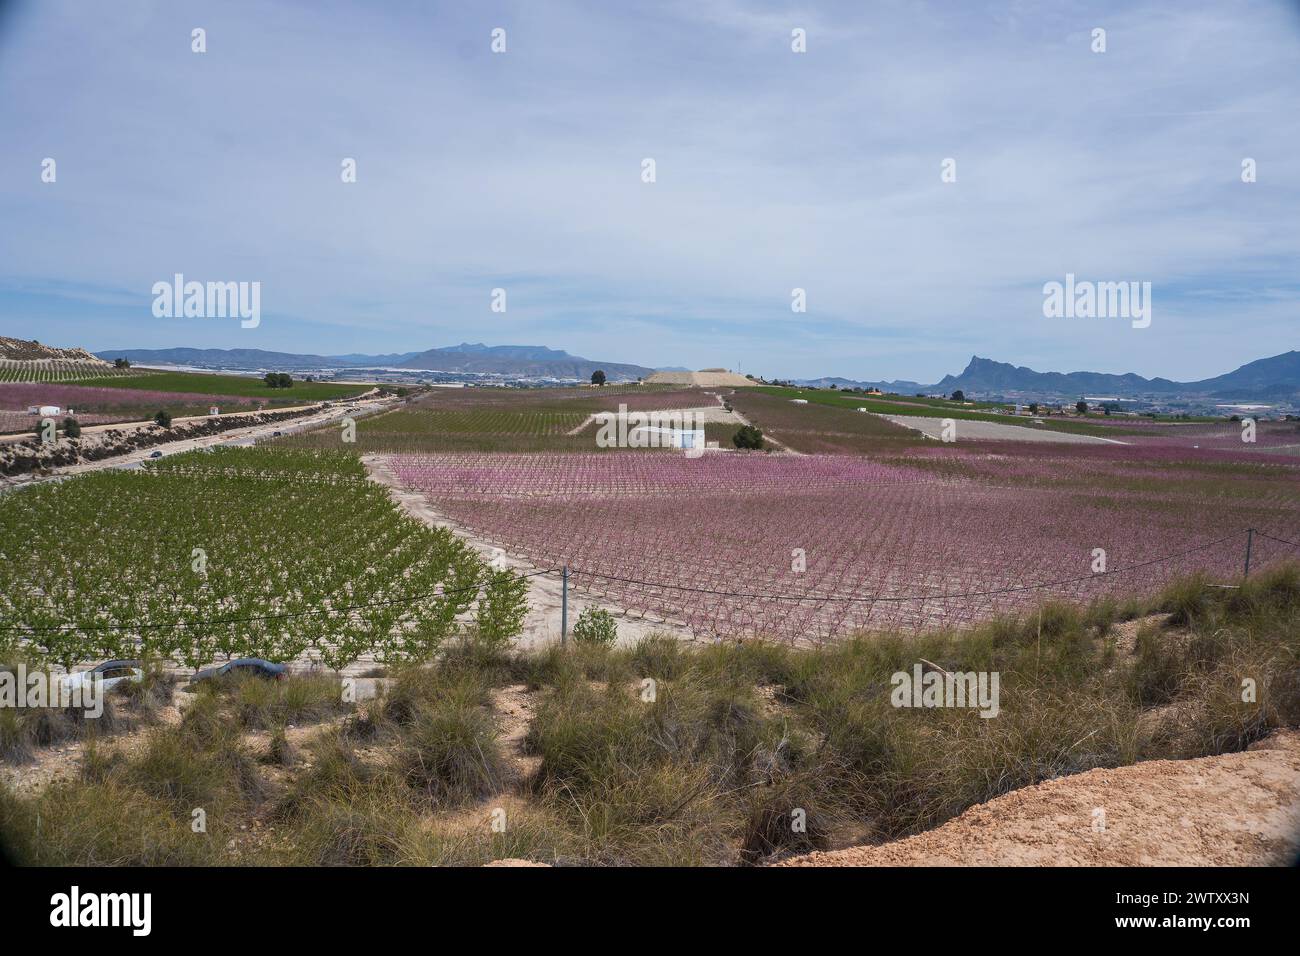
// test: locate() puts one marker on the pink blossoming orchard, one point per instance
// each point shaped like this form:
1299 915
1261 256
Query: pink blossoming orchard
815 547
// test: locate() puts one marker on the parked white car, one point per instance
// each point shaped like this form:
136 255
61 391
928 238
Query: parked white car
112 673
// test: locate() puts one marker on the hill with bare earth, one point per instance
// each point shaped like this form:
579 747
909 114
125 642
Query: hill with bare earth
708 378
1238 809
29 350
26 360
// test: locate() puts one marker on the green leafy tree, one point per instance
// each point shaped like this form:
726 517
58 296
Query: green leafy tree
598 377
163 418
959 396
71 428
501 609
595 625
1081 407
747 436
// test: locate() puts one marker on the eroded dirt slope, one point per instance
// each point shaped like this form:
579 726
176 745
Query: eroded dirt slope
1239 809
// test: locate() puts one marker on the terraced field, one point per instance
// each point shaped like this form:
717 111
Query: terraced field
58 370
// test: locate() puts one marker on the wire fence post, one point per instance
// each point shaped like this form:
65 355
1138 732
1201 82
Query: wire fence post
1250 540
564 606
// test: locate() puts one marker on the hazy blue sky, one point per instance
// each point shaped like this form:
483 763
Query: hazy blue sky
775 170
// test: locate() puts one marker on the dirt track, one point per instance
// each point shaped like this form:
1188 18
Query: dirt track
1239 809
969 430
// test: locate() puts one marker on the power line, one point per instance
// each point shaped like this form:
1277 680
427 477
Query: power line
1264 534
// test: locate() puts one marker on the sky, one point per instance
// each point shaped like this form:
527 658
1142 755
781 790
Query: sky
774 171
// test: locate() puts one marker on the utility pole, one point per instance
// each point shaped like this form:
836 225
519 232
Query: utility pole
1250 540
564 605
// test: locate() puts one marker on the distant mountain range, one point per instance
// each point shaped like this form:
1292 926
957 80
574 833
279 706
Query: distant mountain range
515 361
1272 378
1278 375
524 361
900 387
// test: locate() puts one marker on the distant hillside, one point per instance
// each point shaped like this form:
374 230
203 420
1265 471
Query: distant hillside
1258 377
901 387
248 358
26 360
524 361
1278 375
515 361
986 375
29 350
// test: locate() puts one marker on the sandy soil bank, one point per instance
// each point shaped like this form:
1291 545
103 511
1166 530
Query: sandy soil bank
1239 809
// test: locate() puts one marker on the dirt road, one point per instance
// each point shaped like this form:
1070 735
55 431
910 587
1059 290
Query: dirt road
977 430
1239 809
